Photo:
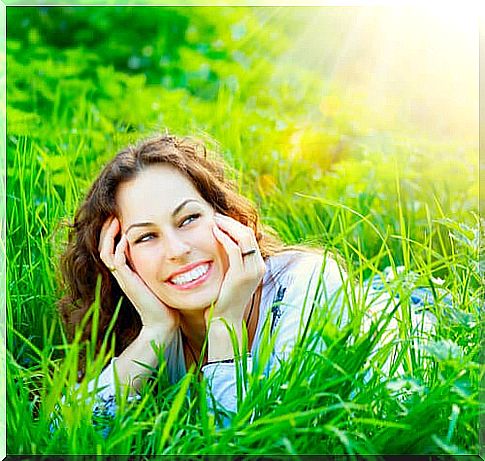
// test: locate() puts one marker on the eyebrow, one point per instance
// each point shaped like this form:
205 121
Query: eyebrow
174 213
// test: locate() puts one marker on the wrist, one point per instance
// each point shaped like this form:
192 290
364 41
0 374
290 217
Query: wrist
220 341
158 333
231 320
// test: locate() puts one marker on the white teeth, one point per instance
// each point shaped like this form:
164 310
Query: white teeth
199 271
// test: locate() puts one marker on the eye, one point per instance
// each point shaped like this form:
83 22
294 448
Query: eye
145 237
189 219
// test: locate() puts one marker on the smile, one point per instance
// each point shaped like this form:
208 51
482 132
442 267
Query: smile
192 278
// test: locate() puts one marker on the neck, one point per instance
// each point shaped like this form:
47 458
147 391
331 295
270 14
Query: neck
193 327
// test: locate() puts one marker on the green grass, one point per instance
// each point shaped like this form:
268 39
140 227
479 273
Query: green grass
377 198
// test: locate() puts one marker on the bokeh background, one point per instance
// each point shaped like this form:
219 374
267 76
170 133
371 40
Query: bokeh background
353 128
355 105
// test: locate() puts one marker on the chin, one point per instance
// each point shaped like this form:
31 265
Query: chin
198 304
192 301
194 296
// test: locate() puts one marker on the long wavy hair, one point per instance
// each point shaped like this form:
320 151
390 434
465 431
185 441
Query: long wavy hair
81 264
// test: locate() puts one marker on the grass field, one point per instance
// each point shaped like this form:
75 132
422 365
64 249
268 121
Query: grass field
323 166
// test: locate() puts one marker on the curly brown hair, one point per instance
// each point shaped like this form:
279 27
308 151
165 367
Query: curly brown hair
81 264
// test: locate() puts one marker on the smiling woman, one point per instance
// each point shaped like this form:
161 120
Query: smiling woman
188 257
170 242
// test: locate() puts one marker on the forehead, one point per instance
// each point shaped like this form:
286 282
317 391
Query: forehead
155 190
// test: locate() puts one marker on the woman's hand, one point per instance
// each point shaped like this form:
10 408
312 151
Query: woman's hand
155 315
246 269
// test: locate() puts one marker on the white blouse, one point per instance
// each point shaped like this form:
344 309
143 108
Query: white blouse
290 285
294 283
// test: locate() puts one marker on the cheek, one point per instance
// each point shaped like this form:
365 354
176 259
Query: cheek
141 260
208 241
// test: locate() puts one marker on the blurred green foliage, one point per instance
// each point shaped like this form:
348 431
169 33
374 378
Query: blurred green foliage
85 81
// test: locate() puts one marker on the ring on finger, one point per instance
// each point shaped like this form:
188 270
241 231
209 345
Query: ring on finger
111 268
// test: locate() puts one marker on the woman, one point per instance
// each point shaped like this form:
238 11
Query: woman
168 233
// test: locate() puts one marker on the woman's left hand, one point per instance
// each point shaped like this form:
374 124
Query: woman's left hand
245 271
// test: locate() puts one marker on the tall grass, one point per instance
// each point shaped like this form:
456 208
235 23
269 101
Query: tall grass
331 401
376 199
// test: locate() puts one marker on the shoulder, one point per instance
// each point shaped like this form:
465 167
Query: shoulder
300 265
298 277
289 261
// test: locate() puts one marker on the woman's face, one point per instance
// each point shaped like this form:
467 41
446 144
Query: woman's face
170 240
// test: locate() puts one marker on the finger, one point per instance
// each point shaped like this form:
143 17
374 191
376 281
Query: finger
121 262
120 252
250 252
107 241
232 249
230 222
109 230
241 234
251 257
127 279
104 229
129 261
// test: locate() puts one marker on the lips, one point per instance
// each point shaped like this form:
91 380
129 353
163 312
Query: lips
190 276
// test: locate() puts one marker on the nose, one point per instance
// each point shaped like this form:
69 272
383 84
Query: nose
176 247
